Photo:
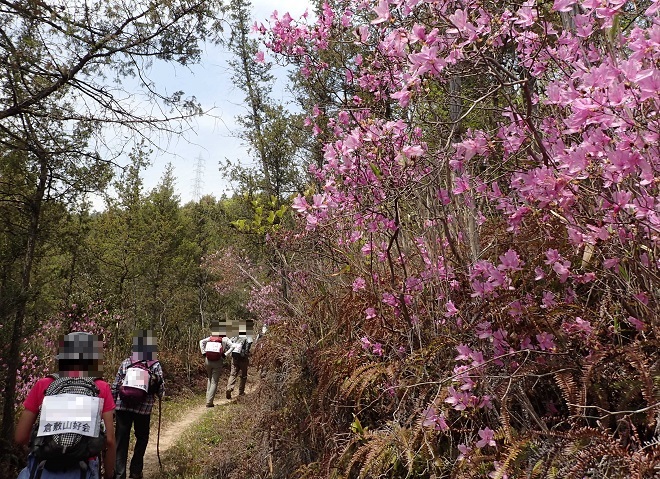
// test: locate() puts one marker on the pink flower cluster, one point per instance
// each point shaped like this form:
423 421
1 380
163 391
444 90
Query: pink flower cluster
556 194
39 349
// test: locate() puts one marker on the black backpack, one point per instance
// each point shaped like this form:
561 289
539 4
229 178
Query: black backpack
68 450
245 347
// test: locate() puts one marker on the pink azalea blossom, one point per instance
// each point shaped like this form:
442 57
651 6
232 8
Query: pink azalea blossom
580 326
359 284
464 452
545 341
539 274
637 324
382 11
464 352
300 204
487 438
563 5
390 300
451 309
366 344
511 261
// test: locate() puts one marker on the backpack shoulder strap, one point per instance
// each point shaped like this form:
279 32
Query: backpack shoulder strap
59 382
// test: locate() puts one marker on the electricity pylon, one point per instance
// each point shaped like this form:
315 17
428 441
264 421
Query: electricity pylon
198 180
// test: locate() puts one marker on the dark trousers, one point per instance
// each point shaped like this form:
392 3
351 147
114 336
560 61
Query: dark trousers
126 420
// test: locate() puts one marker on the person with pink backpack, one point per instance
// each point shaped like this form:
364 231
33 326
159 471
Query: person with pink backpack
139 380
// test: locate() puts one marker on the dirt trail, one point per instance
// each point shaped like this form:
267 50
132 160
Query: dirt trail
168 437
171 432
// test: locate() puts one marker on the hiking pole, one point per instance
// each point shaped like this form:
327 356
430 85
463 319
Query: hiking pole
160 464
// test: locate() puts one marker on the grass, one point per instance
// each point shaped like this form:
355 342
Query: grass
174 408
187 459
220 445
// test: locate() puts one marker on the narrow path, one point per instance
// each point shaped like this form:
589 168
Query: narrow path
168 437
171 432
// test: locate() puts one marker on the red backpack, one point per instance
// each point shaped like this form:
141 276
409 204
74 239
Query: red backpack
213 349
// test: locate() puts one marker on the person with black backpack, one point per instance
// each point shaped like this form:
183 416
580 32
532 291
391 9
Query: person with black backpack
213 349
240 358
138 382
68 416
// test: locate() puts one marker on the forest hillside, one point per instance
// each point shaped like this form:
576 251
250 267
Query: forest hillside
452 238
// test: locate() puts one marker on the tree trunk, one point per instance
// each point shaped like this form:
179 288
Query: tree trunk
13 359
467 211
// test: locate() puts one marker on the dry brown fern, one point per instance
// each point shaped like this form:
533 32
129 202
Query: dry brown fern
380 454
394 451
643 367
573 394
369 375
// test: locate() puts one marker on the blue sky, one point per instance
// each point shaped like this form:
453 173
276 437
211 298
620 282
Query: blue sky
213 137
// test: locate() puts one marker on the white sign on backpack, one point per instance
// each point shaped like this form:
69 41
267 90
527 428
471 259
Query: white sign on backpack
137 378
213 346
70 413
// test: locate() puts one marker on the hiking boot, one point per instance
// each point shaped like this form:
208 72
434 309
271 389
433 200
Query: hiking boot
210 405
135 475
241 394
228 395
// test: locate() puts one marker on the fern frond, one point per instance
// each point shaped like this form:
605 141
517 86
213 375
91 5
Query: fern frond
570 392
643 368
369 374
379 458
512 454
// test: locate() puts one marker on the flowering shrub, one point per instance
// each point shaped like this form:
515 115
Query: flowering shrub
39 349
488 218
233 272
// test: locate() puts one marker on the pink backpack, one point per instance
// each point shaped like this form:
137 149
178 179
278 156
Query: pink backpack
139 382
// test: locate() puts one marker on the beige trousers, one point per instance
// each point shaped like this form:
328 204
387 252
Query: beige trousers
213 370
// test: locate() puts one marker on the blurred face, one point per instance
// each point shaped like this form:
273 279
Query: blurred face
80 354
241 327
145 345
218 329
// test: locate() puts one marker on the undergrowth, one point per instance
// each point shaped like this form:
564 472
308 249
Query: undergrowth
222 444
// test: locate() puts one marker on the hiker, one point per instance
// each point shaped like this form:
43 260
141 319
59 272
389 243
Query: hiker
75 451
213 348
139 380
240 352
